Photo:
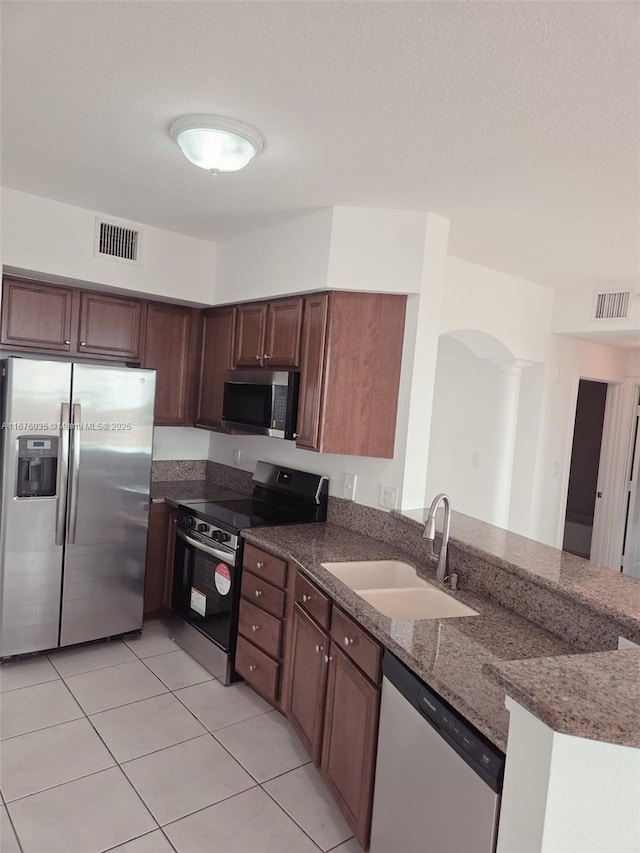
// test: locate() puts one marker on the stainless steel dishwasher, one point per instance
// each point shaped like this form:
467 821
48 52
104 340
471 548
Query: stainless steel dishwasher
438 780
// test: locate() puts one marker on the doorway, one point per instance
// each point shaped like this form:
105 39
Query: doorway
585 462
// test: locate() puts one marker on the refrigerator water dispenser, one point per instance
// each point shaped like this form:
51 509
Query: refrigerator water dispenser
37 466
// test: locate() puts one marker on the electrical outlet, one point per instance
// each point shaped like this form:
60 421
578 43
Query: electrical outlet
349 486
236 455
389 497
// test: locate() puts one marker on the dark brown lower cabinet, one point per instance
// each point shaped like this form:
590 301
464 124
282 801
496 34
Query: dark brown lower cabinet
310 650
349 741
159 565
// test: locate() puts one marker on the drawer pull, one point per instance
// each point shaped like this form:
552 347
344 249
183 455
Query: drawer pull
258 593
348 641
255 627
327 658
252 667
67 343
306 598
259 565
319 648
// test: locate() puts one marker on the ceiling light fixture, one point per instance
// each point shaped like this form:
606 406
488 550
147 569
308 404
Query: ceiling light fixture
216 143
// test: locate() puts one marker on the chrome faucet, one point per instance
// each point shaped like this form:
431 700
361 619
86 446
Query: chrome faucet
430 533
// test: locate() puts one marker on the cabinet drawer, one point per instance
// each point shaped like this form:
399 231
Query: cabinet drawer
271 568
357 644
260 628
258 669
309 597
259 592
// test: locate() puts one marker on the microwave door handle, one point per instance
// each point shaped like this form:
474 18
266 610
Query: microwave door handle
227 556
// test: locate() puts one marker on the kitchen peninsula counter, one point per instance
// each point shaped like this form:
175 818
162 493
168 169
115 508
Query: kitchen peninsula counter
448 654
474 661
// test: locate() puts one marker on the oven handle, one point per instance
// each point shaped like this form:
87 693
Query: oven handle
227 556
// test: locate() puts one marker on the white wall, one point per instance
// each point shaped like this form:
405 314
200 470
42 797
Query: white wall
291 257
517 314
565 794
378 250
51 239
573 313
514 311
463 453
180 443
338 248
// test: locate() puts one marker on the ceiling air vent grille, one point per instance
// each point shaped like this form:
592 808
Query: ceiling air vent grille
113 240
612 305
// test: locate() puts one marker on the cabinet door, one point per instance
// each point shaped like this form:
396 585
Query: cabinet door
308 680
282 343
110 325
155 578
314 333
36 316
349 743
218 337
250 334
169 349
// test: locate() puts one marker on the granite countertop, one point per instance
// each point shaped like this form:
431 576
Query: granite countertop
595 696
448 654
177 491
601 588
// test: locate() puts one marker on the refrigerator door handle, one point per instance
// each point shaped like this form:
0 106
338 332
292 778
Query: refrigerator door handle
76 428
62 473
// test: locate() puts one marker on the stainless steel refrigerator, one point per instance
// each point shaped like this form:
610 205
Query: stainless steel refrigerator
76 471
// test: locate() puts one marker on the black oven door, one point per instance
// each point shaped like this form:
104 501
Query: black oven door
206 588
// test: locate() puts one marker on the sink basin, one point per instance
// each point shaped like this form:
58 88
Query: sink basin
428 603
395 590
376 574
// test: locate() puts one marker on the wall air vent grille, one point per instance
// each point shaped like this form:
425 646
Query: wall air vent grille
612 305
113 240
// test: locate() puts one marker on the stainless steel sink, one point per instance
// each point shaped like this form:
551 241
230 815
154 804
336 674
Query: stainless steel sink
395 590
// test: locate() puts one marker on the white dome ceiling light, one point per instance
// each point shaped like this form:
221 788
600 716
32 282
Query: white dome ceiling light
216 143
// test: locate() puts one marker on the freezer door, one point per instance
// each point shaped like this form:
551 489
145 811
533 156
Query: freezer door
36 398
108 502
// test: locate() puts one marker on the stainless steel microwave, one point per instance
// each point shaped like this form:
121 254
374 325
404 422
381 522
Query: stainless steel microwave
264 402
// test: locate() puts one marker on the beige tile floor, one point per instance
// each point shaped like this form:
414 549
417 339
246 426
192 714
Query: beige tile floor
133 747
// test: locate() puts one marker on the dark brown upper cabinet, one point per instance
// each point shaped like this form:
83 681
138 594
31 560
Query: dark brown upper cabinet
268 334
171 344
218 340
44 317
351 356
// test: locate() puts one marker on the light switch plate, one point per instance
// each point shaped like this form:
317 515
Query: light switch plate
349 486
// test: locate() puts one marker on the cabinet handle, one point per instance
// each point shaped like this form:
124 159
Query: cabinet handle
83 343
258 593
258 357
266 356
327 658
348 641
259 565
67 343
319 648
252 667
255 627
306 598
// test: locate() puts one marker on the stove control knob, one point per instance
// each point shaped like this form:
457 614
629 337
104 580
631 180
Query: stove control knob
220 536
191 522
202 528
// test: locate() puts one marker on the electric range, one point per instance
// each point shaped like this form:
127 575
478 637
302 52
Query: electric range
208 558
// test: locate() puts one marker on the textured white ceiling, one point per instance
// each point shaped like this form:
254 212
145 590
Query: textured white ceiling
518 120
